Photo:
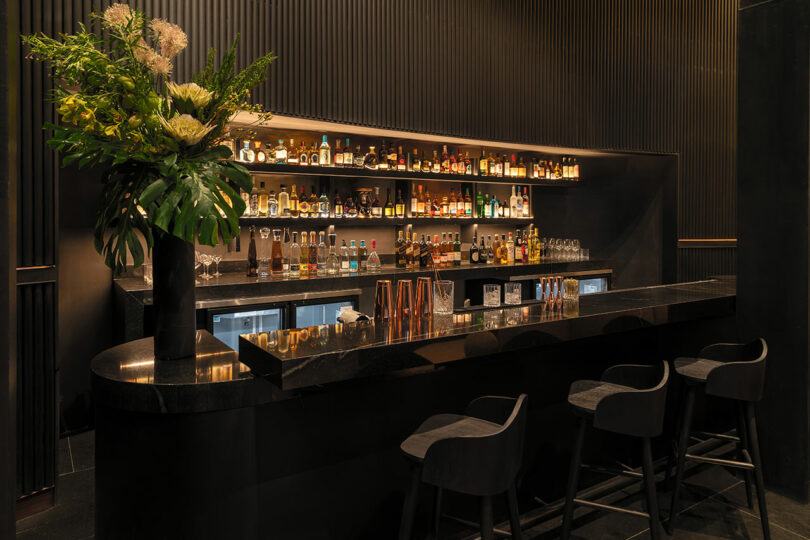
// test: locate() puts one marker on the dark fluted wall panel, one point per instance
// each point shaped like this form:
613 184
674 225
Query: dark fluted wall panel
36 389
699 263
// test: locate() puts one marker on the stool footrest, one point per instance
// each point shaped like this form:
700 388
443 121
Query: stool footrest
599 506
474 525
612 471
718 461
721 436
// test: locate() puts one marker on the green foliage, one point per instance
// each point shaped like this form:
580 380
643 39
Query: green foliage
159 142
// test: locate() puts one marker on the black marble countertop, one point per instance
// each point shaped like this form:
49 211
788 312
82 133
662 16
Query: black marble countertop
233 285
304 357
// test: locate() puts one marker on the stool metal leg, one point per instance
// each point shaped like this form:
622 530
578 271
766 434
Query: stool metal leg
573 479
649 484
514 515
754 440
409 508
437 511
671 450
683 443
487 519
742 432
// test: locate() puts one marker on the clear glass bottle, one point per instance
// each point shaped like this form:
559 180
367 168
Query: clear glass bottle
324 153
284 202
272 205
303 259
313 254
323 204
362 256
261 156
353 262
490 251
265 251
295 257
373 264
371 161
314 155
303 155
292 154
246 155
285 253
281 153
263 198
293 202
246 199
376 206
253 205
345 264
332 260
323 255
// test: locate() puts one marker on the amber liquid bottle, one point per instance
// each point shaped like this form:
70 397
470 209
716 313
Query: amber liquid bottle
276 258
253 260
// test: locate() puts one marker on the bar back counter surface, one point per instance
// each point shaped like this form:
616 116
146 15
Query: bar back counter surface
298 435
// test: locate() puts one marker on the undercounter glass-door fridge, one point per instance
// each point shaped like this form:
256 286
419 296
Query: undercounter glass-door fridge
228 323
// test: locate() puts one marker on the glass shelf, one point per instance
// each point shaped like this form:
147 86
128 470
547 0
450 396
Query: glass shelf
382 222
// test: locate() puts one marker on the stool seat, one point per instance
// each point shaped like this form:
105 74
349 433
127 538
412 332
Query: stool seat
445 426
585 395
695 369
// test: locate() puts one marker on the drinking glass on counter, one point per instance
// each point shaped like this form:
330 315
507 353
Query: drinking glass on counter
511 293
571 297
424 296
383 301
147 273
217 259
205 259
492 295
404 298
443 296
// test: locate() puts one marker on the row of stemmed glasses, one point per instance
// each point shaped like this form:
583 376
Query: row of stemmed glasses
205 259
561 249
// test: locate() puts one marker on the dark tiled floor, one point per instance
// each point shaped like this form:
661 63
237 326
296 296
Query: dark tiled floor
713 502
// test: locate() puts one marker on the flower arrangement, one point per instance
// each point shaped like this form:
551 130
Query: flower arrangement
165 169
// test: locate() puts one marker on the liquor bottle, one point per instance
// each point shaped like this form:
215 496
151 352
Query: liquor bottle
285 253
443 252
314 204
452 204
348 156
460 212
420 203
337 205
246 155
295 257
437 163
303 204
497 211
283 202
246 199
399 207
483 163
526 208
313 254
272 205
454 162
349 208
253 260
519 199
474 250
427 165
324 153
401 161
444 167
468 208
414 211
557 171
566 170
393 158
507 165
409 258
383 157
303 268
482 251
292 154
254 201
323 255
436 252
376 205
345 263
457 252
575 173
492 170
371 161
276 257
293 202
479 206
362 256
338 159
468 165
503 248
262 198
323 204
521 168
435 207
496 249
280 153
445 207
424 253
400 251
525 250
261 156
303 155
359 157
416 163
490 252
314 155
513 206
388 210
373 264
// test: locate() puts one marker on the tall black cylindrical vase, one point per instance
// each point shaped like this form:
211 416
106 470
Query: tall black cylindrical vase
173 297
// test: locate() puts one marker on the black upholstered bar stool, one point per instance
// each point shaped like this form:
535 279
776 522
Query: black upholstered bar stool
630 400
478 453
733 371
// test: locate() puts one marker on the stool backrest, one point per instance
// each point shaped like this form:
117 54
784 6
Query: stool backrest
742 374
639 411
484 465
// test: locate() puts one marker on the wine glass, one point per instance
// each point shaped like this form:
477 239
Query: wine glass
205 258
197 264
217 259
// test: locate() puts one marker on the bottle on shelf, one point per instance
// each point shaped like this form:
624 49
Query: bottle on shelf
503 250
337 205
285 252
303 204
359 157
427 165
424 252
332 259
280 153
323 204
443 251
513 204
324 153
496 249
283 202
524 249
373 264
401 161
371 161
454 162
393 158
437 164
323 255
314 204
376 205
295 256
253 205
490 251
460 211
303 155
314 155
444 166
272 205
252 259
263 199
474 250
246 199
303 268
436 252
452 208
487 206
313 254
445 207
416 163
338 158
435 207
399 207
349 208
409 257
348 156
383 157
468 205
414 207
526 207
521 168
388 210
292 154
400 251
345 263
483 164
482 252
293 202
457 252
497 211
507 165
362 256
276 256
510 249
246 155
259 153
575 172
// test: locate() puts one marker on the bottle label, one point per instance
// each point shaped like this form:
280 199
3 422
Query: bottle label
338 159
474 256
457 256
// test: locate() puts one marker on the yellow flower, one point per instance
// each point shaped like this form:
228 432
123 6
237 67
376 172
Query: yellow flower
185 128
198 95
117 15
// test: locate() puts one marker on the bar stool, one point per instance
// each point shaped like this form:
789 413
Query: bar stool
478 453
630 400
733 371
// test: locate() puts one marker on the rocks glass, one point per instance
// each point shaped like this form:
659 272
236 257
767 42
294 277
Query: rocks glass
492 295
512 293
443 296
571 297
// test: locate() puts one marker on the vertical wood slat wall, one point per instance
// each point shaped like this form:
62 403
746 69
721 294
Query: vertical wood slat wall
649 75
